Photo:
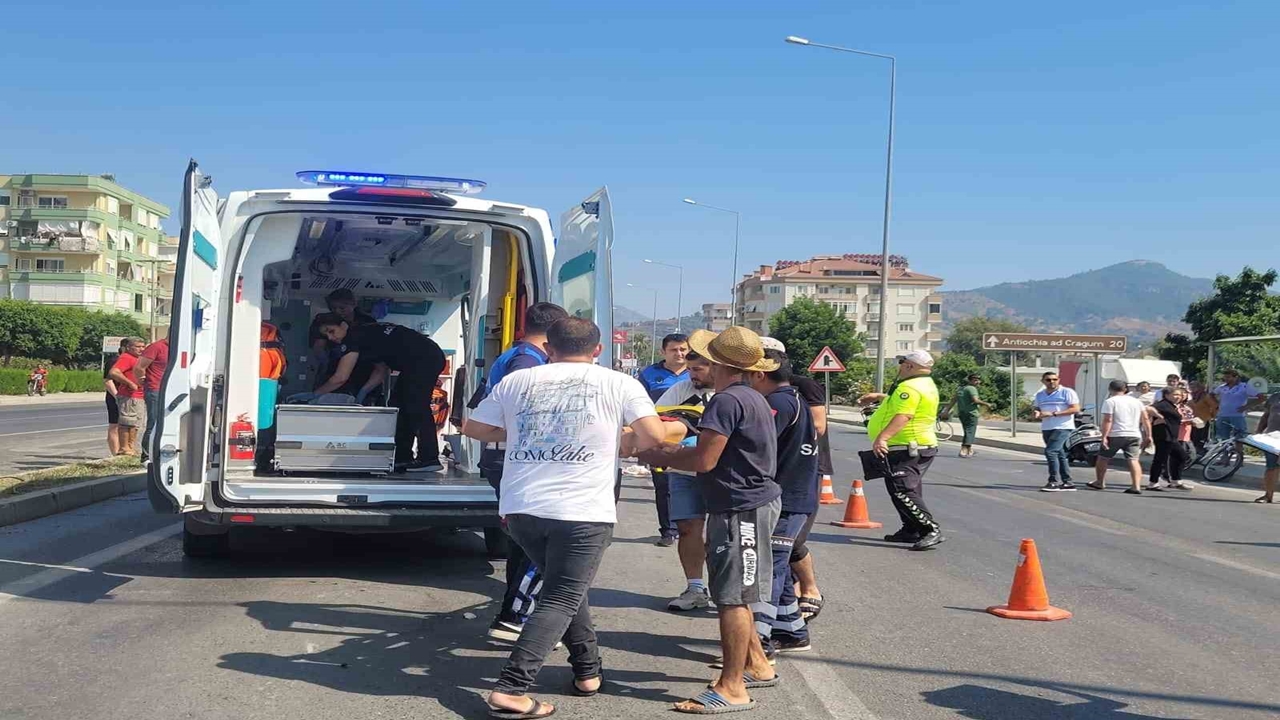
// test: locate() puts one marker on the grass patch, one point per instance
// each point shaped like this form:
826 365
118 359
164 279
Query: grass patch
53 477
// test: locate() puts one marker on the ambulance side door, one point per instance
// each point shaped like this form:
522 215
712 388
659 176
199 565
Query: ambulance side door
582 269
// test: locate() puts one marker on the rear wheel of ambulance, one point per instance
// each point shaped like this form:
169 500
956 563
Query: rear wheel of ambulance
202 543
495 543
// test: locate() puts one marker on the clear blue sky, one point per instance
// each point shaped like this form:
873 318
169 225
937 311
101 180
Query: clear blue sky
1032 141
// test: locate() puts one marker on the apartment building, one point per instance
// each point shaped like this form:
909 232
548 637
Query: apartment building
715 316
851 284
84 241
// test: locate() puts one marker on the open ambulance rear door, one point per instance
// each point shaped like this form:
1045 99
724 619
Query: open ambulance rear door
184 442
582 270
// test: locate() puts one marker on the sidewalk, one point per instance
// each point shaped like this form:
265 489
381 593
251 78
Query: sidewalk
54 399
1029 440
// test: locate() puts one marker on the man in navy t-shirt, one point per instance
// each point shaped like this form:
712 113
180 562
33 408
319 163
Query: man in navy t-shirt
657 379
797 474
736 459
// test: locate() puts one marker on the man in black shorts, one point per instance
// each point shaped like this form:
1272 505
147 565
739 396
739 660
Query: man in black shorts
418 359
736 459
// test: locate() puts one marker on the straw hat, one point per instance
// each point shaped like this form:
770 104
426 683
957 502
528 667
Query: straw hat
736 347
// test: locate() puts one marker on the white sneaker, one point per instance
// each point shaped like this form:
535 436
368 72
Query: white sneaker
690 599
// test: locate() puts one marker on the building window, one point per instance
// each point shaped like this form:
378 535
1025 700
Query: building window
113 205
875 289
775 289
906 292
52 201
906 309
41 264
26 198
906 345
824 289
935 308
137 302
906 327
5 198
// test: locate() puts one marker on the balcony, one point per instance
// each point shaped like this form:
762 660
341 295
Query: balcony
77 247
57 276
872 317
38 213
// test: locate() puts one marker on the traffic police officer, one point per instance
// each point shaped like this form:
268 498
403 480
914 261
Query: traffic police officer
902 433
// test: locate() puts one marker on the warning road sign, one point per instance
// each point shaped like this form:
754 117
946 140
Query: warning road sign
619 337
826 362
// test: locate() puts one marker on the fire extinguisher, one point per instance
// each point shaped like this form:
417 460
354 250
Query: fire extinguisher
242 438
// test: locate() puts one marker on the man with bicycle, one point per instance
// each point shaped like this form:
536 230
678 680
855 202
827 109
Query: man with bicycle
967 403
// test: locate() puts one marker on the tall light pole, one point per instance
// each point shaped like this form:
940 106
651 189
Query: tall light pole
653 341
737 225
888 198
679 293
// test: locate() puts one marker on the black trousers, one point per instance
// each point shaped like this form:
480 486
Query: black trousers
1169 460
662 499
524 579
906 489
412 395
1200 438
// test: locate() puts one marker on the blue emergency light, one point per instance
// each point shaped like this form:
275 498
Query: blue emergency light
458 186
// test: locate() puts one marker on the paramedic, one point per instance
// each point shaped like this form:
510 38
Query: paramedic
343 303
419 361
523 578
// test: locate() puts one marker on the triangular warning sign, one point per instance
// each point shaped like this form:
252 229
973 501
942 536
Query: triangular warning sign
826 362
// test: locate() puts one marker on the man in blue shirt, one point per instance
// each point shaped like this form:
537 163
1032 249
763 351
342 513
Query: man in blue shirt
657 379
1056 408
523 578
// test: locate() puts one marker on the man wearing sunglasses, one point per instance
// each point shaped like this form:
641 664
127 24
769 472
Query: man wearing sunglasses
1056 408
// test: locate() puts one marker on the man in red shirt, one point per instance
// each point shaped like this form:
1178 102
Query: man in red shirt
150 371
130 394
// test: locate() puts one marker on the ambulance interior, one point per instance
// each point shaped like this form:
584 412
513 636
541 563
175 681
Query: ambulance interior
462 282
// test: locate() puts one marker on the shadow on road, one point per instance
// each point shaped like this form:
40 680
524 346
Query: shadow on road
1241 542
984 703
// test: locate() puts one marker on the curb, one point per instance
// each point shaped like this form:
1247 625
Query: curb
1239 480
54 399
68 497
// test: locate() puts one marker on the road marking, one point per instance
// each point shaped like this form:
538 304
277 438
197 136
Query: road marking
41 417
836 697
35 432
39 581
1238 566
46 565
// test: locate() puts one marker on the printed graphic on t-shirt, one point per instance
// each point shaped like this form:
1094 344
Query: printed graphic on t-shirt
552 417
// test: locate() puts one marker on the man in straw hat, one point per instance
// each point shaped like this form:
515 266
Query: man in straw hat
736 460
902 434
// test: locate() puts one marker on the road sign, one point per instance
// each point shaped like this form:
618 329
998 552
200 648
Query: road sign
111 344
1053 342
629 363
619 337
826 362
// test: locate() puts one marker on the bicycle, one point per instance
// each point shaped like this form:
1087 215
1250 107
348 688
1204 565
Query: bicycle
943 430
1221 458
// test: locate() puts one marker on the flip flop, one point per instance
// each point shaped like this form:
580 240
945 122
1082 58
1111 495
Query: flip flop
531 714
810 608
713 703
579 692
718 663
753 684
1262 501
1093 486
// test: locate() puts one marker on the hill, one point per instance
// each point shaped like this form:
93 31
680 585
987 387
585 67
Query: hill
1140 298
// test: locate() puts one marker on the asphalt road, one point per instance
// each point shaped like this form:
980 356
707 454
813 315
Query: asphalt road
1174 598
33 437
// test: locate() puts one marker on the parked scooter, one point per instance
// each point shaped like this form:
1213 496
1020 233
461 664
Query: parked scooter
38 382
1085 442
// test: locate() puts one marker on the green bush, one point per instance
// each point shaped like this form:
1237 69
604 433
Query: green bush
14 381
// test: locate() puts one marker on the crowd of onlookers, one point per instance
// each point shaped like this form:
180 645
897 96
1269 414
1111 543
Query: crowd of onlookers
132 381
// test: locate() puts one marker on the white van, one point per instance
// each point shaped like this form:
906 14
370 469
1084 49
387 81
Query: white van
432 255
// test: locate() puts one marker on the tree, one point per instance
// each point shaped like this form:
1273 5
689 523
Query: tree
1239 306
966 335
639 345
93 326
38 331
805 327
952 370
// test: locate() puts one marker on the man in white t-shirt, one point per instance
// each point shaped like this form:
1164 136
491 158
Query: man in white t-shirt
1056 408
1126 428
562 424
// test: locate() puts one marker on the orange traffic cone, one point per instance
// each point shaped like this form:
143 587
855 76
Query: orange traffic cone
1028 598
855 516
827 496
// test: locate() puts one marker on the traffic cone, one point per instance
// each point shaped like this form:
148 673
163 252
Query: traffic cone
855 516
1028 598
827 496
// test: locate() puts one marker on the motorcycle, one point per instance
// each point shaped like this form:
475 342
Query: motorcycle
37 382
1085 442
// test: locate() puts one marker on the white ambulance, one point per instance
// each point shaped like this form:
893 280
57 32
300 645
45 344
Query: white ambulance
423 252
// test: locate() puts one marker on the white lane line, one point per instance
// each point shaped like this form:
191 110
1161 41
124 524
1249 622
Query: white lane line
836 697
55 430
38 581
1238 566
41 417
47 566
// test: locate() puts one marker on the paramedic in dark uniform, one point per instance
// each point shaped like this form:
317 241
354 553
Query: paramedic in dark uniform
343 303
523 578
419 361
902 433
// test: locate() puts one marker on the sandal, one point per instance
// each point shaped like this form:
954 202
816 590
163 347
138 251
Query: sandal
531 714
810 608
1095 486
713 703
752 683
1263 500
577 691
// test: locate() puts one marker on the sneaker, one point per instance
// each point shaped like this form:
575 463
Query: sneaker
933 539
1156 486
1052 486
690 599
665 541
792 646
505 631
1068 486
904 536
419 466
1181 486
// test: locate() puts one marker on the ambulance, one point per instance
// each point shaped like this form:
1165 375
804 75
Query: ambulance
428 253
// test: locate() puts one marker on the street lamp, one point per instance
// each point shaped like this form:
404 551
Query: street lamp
679 293
888 198
653 341
737 224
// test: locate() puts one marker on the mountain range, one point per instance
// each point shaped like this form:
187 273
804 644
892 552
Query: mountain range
1139 298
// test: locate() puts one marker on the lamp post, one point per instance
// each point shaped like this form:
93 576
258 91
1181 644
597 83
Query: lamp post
888 197
653 341
737 225
679 293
